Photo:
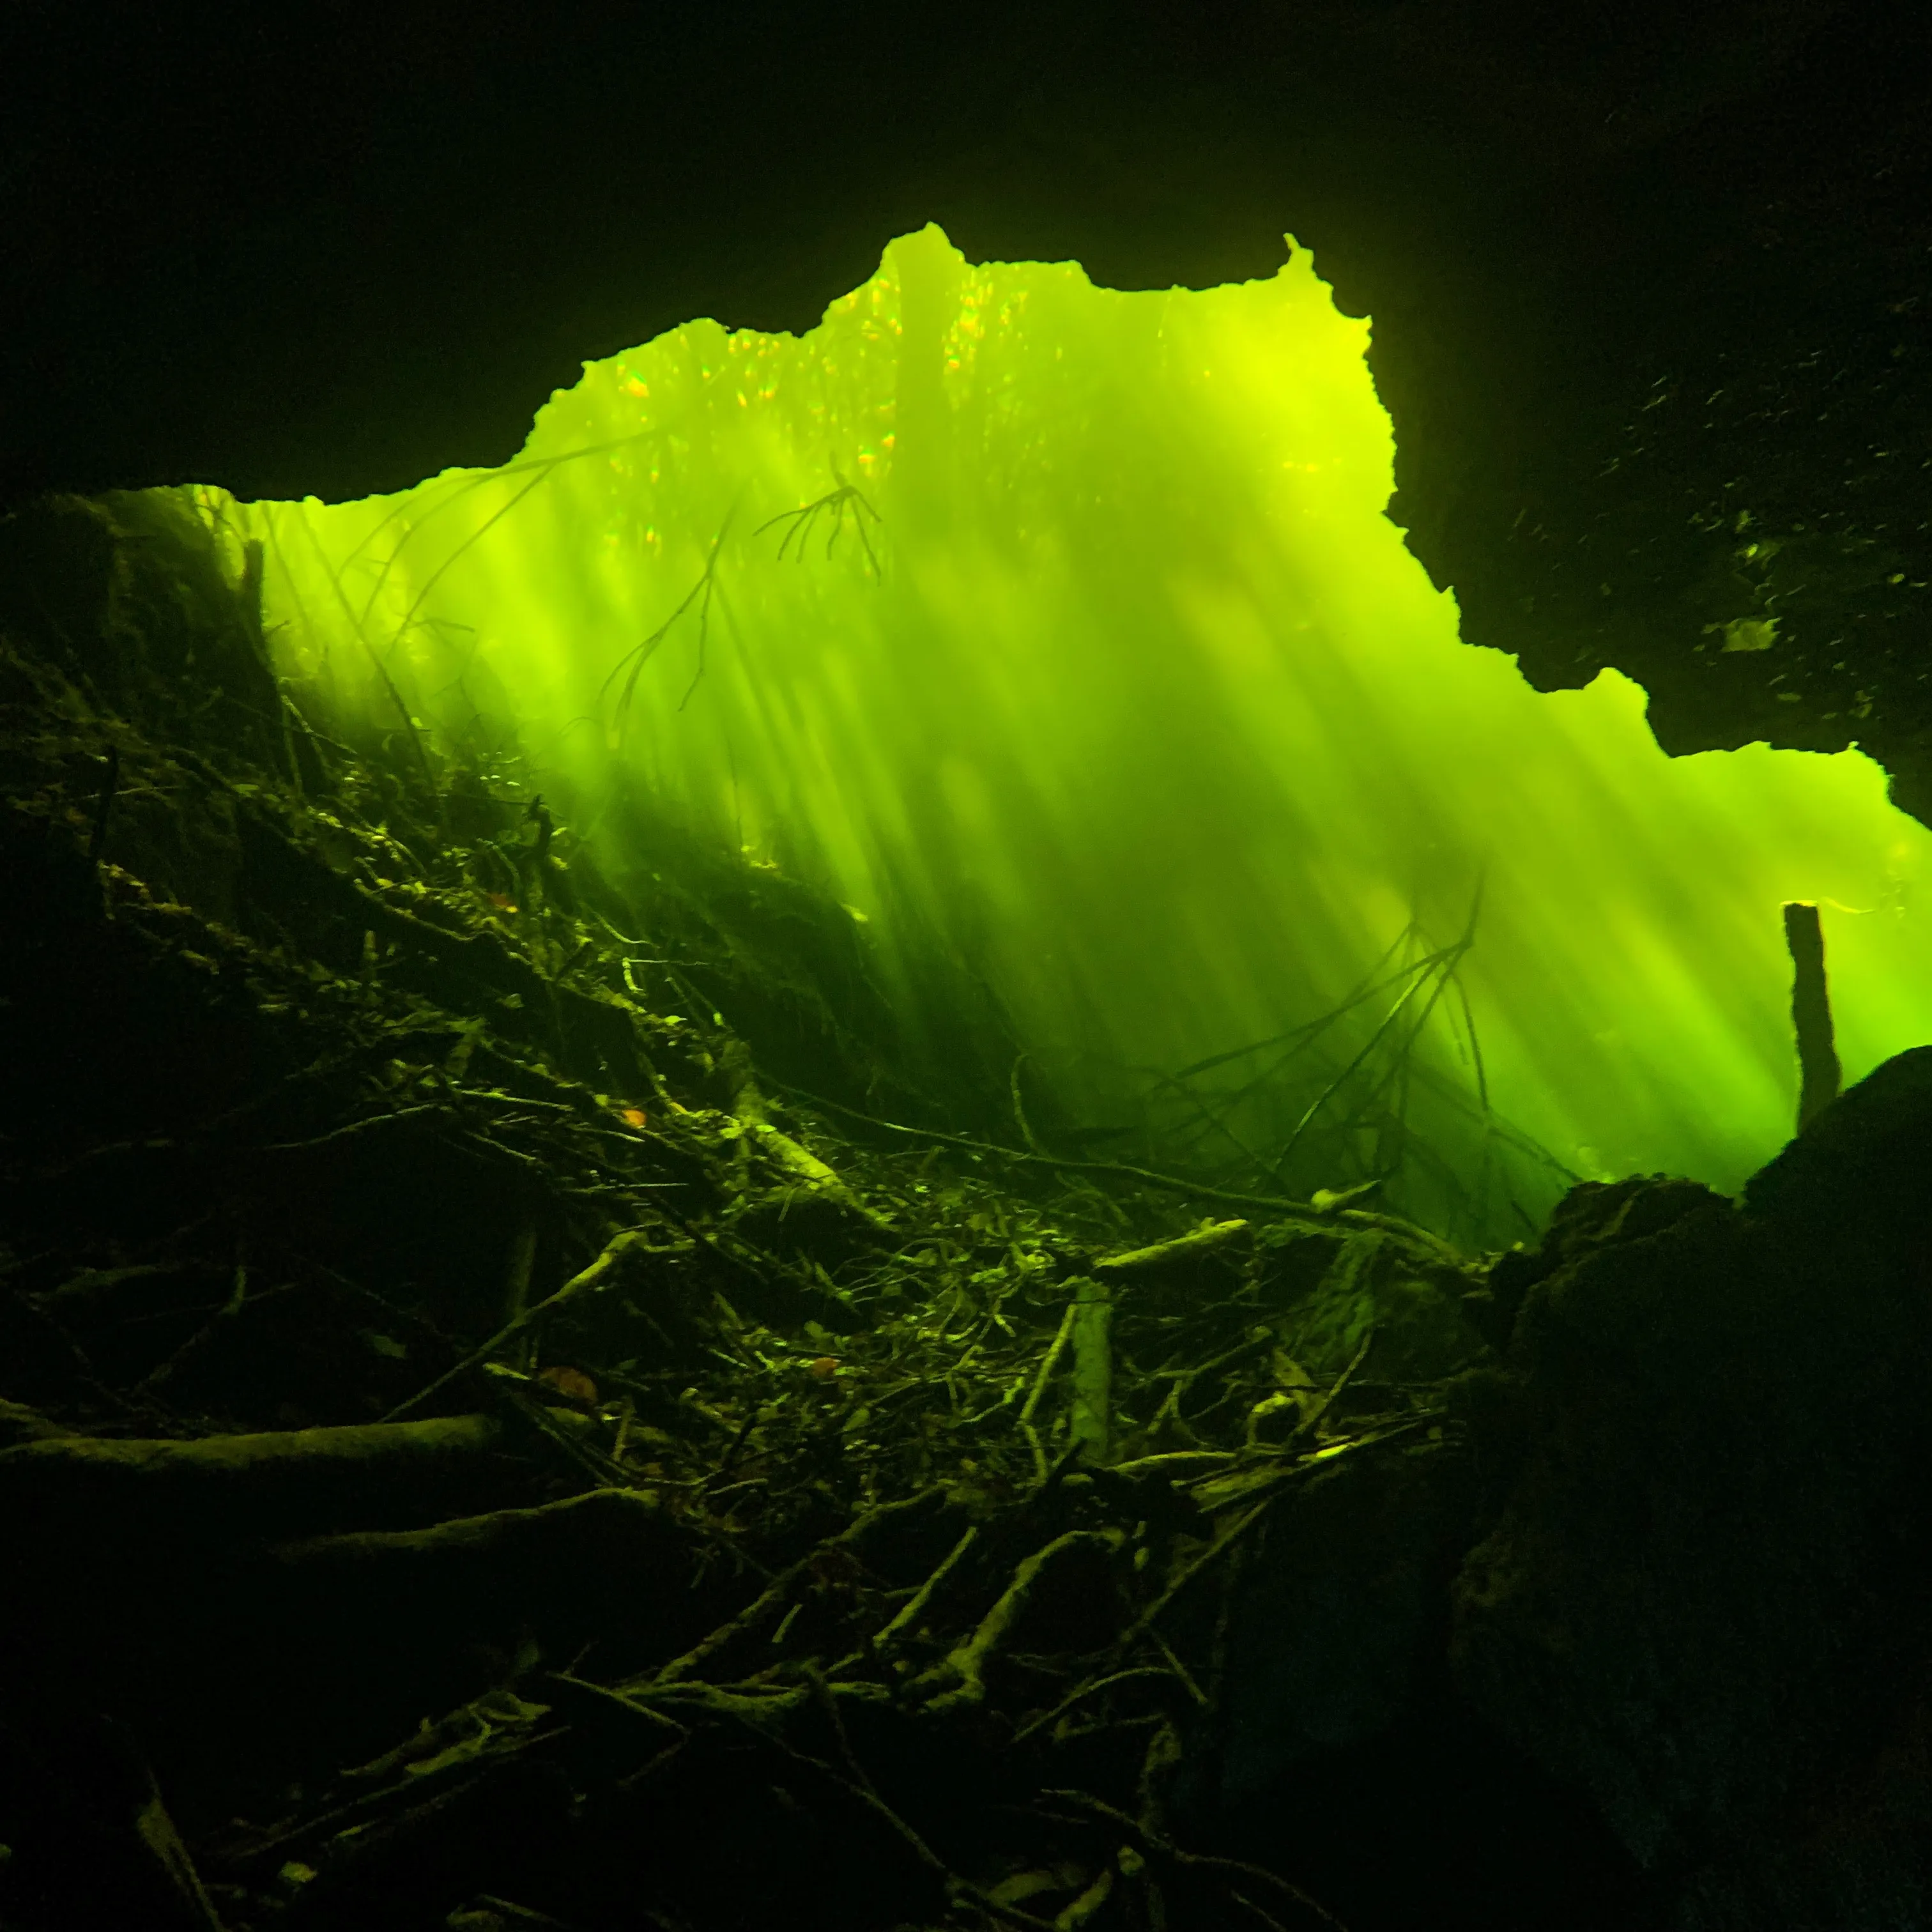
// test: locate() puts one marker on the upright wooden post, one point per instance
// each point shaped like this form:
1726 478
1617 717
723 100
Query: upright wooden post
1092 1423
1818 1069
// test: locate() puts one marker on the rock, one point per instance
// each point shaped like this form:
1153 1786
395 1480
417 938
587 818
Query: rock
1863 1168
1593 1214
1704 1592
1329 1632
1376 1282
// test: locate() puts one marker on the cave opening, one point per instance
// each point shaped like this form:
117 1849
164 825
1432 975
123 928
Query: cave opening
824 1145
1060 636
814 1157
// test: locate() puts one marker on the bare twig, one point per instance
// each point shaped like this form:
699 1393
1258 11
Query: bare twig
1147 1841
1092 1688
1170 1182
1048 1363
961 1671
1307 1425
780 1587
834 504
630 1240
634 660
913 1610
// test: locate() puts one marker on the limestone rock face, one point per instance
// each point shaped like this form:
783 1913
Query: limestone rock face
1647 280
1704 1598
1334 1618
1862 1170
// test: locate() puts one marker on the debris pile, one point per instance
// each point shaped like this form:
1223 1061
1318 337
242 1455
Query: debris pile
484 1453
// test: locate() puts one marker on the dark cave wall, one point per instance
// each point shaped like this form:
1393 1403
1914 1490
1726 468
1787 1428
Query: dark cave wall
1650 286
1722 415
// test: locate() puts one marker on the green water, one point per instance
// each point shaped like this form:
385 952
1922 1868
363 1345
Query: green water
1110 668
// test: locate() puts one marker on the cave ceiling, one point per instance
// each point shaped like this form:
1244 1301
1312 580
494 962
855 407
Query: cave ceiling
1651 285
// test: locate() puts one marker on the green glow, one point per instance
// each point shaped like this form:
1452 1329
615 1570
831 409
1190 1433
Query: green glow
1147 708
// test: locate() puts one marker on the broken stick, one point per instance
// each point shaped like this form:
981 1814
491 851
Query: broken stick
1091 1423
583 1282
1819 1074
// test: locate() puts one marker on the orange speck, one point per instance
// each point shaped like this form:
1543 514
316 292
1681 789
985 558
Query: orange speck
501 901
633 1115
570 1381
825 1367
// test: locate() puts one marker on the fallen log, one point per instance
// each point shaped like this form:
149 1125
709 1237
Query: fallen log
276 1484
